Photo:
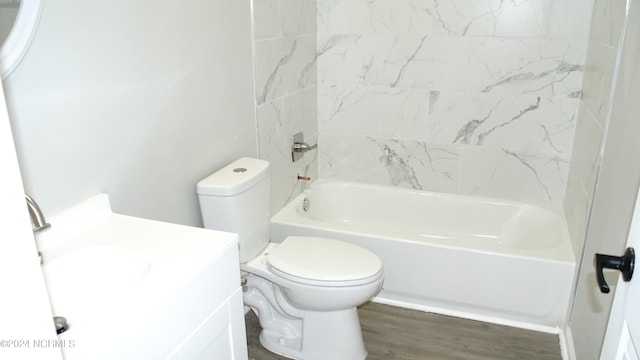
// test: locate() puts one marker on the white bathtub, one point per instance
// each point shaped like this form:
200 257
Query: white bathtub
480 258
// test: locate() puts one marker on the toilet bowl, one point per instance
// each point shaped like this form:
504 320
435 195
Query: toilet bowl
304 290
321 307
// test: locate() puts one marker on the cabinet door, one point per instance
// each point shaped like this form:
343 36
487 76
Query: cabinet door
221 336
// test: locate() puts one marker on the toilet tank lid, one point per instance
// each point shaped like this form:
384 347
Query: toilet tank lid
234 178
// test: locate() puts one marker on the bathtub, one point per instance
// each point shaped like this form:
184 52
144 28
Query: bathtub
479 258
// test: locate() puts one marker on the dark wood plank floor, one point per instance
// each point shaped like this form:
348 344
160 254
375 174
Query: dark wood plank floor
401 334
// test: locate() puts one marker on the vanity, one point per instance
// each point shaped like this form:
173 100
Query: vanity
133 288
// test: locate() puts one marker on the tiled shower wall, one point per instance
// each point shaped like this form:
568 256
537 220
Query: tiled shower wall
286 91
608 20
463 96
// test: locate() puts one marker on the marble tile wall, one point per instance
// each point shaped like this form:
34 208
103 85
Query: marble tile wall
463 96
601 60
286 90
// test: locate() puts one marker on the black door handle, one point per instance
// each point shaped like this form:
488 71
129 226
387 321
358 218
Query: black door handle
624 263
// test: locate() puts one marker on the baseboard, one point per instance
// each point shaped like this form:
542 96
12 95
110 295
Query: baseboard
566 345
469 316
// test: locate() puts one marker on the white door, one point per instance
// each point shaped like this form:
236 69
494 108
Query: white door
622 339
25 314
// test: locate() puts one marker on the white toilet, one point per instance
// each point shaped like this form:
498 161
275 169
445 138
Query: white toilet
304 290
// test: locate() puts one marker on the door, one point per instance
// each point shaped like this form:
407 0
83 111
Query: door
27 330
622 339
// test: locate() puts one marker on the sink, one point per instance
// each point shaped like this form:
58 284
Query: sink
119 280
91 279
94 273
97 266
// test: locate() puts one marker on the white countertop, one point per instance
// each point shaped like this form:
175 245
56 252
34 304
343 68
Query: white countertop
101 267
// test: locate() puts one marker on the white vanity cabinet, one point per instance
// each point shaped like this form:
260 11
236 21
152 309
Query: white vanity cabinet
138 289
221 335
204 320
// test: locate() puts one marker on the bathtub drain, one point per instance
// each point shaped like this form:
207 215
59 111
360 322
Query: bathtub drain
305 204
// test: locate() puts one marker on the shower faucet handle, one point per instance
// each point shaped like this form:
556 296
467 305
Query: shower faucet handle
299 147
302 147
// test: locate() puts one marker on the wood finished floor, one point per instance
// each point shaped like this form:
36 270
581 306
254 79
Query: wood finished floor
401 334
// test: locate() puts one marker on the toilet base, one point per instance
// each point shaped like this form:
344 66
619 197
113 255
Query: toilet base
332 335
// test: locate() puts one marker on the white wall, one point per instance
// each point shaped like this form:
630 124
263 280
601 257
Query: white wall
136 99
24 306
601 62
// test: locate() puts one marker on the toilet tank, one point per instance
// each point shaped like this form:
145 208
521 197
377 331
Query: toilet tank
237 199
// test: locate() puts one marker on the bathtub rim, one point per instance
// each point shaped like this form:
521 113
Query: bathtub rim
324 182
561 252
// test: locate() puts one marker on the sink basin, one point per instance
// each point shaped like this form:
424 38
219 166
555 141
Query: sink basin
108 266
91 275
119 280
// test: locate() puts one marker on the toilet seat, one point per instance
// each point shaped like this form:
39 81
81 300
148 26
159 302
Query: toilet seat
324 262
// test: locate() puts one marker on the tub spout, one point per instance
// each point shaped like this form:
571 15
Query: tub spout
37 218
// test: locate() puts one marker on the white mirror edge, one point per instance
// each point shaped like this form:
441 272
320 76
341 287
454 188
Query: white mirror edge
19 39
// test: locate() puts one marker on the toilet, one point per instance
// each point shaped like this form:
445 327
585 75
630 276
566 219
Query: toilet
304 290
